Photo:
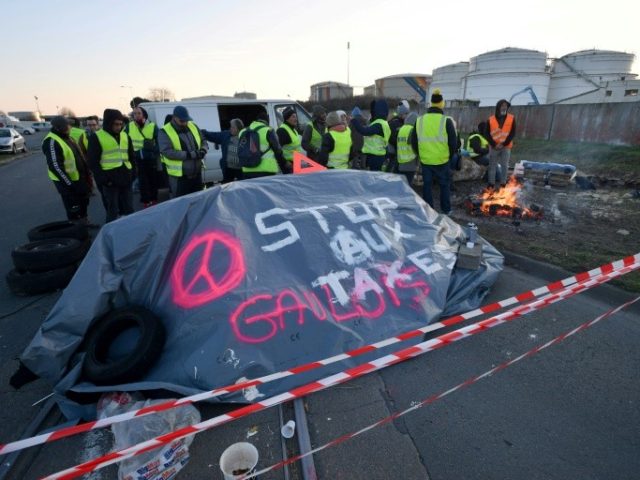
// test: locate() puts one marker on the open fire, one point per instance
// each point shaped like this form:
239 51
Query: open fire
504 202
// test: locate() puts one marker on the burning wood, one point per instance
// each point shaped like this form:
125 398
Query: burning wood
504 202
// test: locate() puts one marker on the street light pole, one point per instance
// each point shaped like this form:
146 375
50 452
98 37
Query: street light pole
37 106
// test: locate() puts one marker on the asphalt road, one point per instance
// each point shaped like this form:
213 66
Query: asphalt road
573 411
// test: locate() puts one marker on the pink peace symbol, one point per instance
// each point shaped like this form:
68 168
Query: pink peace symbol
183 287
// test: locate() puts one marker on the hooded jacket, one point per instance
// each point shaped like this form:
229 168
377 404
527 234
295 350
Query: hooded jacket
121 176
501 120
55 163
379 110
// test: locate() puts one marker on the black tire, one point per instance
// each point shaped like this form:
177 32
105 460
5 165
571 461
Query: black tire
64 229
100 369
14 149
48 254
34 283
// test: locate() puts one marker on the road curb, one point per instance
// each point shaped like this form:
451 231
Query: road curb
7 161
605 293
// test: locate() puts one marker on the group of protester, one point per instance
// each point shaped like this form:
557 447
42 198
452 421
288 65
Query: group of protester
81 161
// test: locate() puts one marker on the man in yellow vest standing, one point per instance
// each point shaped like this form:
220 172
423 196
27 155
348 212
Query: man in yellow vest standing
67 169
272 158
436 141
111 157
336 151
376 134
406 155
144 138
313 132
288 136
183 149
502 130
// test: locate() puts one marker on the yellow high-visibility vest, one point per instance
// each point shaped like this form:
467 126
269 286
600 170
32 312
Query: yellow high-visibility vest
339 157
114 154
268 163
69 159
433 146
405 150
294 146
483 144
174 167
376 144
138 136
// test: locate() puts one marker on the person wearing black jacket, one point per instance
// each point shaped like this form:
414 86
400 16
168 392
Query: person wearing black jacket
395 124
313 132
111 156
438 165
376 134
144 138
67 169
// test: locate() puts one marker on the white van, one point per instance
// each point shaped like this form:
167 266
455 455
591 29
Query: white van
216 115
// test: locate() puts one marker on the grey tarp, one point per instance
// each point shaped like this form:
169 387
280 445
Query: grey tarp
263 275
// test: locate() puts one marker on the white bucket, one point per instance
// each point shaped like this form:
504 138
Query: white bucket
238 460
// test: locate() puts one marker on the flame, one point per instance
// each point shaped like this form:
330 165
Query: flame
504 201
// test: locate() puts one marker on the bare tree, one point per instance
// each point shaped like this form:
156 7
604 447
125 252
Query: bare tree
161 94
66 111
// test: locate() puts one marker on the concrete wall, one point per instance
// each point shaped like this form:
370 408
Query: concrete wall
613 123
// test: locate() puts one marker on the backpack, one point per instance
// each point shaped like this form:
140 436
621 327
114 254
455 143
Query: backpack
249 152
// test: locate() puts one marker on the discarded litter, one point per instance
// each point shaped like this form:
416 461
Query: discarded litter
238 460
288 429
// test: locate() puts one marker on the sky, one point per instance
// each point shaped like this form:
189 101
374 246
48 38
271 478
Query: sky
94 54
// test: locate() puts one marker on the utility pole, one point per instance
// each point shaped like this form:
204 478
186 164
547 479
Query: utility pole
37 106
348 58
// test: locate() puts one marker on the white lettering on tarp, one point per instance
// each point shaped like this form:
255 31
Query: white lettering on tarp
351 214
348 248
392 273
363 283
424 261
397 233
293 236
333 280
385 244
383 203
317 215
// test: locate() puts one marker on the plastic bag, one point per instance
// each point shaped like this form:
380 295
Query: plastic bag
159 464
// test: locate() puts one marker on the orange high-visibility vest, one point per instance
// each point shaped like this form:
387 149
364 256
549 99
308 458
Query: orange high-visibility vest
498 134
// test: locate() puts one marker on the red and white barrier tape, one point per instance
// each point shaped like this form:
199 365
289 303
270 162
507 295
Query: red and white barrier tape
338 378
435 398
105 422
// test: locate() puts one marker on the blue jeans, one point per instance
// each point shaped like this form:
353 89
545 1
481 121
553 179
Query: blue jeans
443 176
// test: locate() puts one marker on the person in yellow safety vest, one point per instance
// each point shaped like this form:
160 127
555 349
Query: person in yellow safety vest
436 142
502 130
272 159
478 149
110 155
67 170
407 157
395 123
183 148
376 134
144 137
76 132
288 136
313 132
336 151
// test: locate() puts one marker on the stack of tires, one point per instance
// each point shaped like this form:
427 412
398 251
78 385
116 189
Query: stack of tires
50 259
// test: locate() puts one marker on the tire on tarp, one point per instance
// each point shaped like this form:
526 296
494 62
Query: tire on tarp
102 370
33 283
48 254
63 229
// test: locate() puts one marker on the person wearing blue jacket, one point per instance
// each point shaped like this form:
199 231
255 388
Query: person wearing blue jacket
376 134
226 140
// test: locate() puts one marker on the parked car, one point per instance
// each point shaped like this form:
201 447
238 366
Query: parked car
22 130
37 126
215 115
11 141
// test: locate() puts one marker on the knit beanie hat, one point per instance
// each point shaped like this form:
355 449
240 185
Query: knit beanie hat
287 112
59 124
436 99
333 119
317 111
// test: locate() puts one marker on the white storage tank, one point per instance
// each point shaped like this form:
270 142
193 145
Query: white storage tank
577 76
511 72
407 86
449 80
329 90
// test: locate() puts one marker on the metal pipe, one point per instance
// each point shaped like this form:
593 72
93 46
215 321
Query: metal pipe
304 442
